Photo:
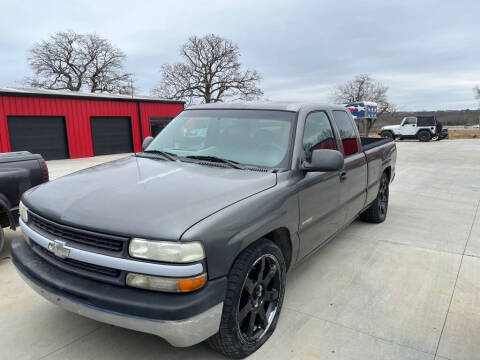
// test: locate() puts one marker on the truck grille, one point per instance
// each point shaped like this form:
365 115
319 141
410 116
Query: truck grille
96 272
85 239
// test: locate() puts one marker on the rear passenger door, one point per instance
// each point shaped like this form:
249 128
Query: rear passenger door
354 176
319 192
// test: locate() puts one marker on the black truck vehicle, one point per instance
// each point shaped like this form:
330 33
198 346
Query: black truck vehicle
19 171
192 238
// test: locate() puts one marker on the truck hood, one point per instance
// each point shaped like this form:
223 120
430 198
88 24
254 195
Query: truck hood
144 197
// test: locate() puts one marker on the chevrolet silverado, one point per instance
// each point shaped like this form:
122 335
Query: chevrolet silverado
191 239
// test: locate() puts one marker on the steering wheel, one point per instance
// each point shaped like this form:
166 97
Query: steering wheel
270 147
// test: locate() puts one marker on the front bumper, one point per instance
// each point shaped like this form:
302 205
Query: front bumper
181 319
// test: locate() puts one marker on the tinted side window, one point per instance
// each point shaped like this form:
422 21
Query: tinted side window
347 132
410 121
318 133
426 121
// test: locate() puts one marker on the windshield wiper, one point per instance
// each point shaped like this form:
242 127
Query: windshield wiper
167 155
232 164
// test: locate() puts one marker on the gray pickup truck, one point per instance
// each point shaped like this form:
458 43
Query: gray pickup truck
19 171
191 239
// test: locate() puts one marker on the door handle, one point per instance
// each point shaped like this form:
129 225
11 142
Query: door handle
343 175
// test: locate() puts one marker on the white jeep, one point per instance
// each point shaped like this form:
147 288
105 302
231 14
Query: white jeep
423 128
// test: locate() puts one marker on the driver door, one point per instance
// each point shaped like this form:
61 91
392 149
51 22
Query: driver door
409 126
319 192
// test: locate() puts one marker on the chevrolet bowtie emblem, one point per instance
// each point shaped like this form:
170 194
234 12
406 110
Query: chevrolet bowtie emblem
58 249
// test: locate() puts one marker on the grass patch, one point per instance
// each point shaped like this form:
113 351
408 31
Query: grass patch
463 134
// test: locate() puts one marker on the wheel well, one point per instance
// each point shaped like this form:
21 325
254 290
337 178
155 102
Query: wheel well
6 217
281 238
388 171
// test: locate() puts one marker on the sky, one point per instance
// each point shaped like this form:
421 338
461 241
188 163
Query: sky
426 51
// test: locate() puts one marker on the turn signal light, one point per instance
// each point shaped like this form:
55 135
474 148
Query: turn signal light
158 283
192 284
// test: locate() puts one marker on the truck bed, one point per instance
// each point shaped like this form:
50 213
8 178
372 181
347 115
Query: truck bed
371 142
378 152
19 156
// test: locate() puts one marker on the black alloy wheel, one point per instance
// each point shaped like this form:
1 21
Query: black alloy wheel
253 301
383 197
2 239
259 299
377 211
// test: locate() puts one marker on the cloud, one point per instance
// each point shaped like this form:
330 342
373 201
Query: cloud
426 52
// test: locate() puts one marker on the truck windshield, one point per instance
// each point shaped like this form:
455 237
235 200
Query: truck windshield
251 137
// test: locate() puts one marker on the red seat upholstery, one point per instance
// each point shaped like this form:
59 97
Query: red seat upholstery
350 146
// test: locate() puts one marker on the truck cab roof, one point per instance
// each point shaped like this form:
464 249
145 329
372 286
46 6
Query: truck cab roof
279 106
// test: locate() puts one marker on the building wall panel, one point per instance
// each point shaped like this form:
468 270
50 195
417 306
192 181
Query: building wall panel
148 110
77 113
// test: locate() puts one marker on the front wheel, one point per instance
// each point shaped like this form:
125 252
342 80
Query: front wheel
387 134
377 212
255 291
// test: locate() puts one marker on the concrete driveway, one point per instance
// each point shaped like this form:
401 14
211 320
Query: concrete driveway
405 289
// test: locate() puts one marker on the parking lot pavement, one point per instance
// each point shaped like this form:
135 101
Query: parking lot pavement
405 289
58 168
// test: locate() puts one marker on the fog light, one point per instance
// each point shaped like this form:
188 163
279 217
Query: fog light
157 283
23 211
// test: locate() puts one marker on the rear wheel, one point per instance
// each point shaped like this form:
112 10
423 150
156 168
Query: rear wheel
424 136
387 134
2 239
256 287
377 212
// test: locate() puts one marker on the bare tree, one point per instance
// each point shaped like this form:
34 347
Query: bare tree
71 61
210 72
364 88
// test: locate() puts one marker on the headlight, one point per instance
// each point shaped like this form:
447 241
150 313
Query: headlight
157 283
23 211
175 252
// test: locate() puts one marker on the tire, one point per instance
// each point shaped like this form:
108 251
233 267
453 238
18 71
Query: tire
251 292
387 134
2 239
424 136
377 212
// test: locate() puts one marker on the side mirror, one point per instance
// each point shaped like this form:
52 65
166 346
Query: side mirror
146 142
325 160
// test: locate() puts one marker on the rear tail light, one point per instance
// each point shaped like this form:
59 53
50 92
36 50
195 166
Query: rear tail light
46 177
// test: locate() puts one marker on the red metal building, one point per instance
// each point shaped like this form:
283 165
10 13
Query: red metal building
59 124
